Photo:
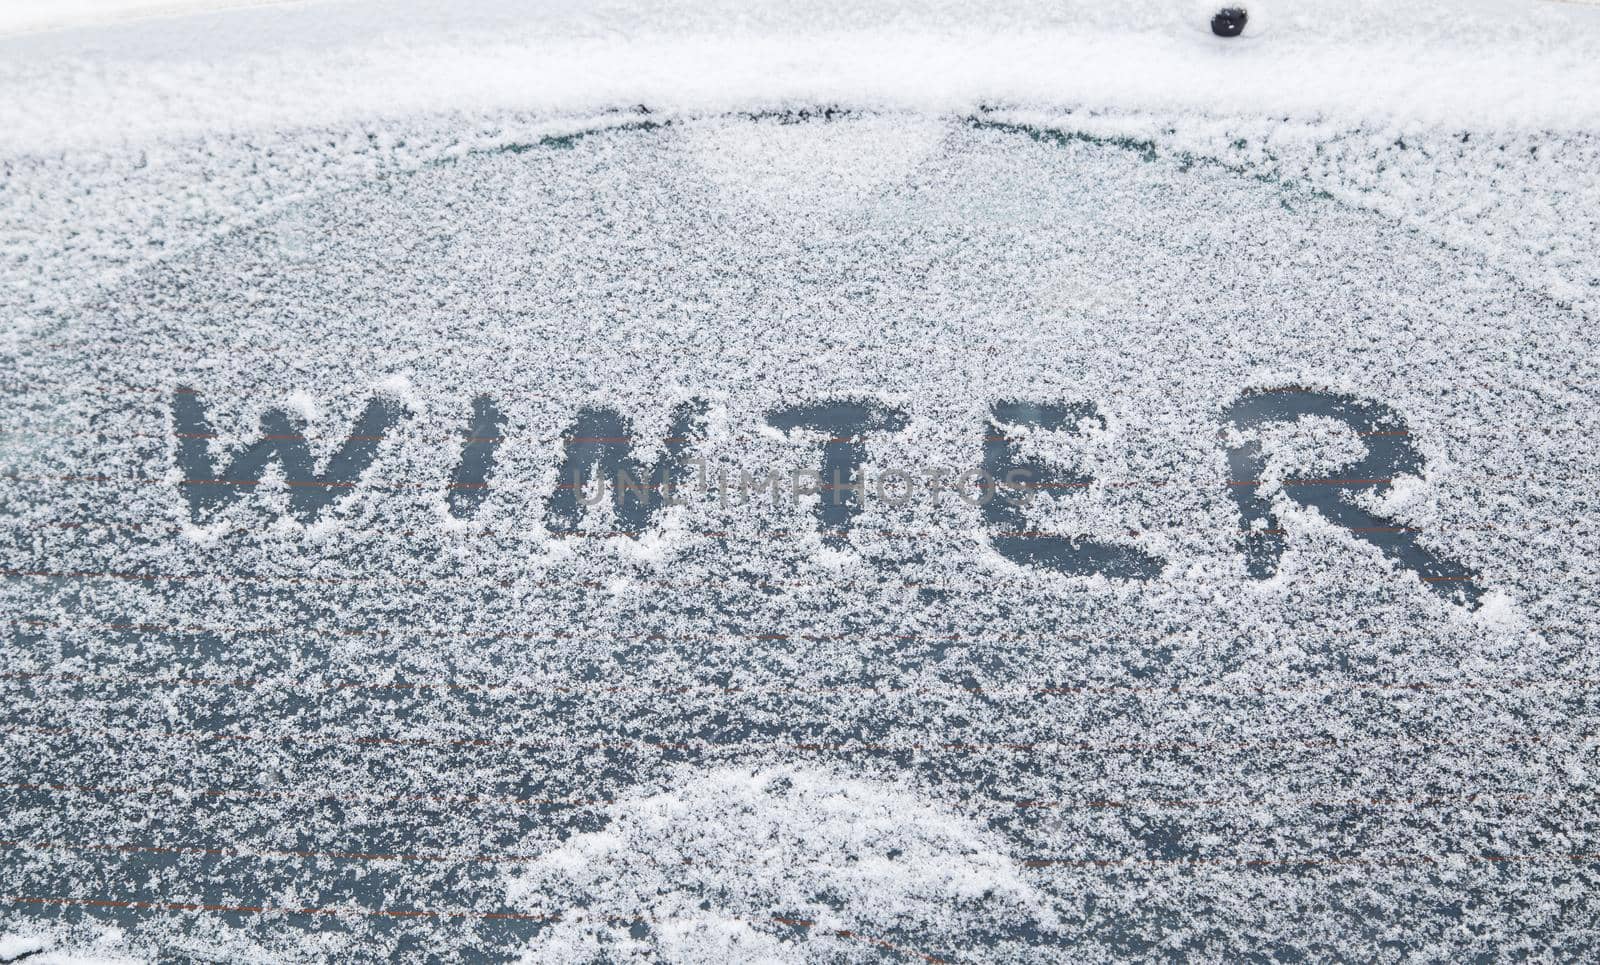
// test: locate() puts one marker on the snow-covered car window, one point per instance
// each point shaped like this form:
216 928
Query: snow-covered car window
1041 482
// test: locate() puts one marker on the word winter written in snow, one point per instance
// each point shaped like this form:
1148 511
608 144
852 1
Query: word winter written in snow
598 448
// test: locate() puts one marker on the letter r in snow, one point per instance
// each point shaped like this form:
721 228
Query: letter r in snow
1390 455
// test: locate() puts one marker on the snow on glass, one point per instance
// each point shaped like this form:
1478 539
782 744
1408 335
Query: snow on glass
434 703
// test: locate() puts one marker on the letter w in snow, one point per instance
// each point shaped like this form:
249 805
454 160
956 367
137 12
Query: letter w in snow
211 490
